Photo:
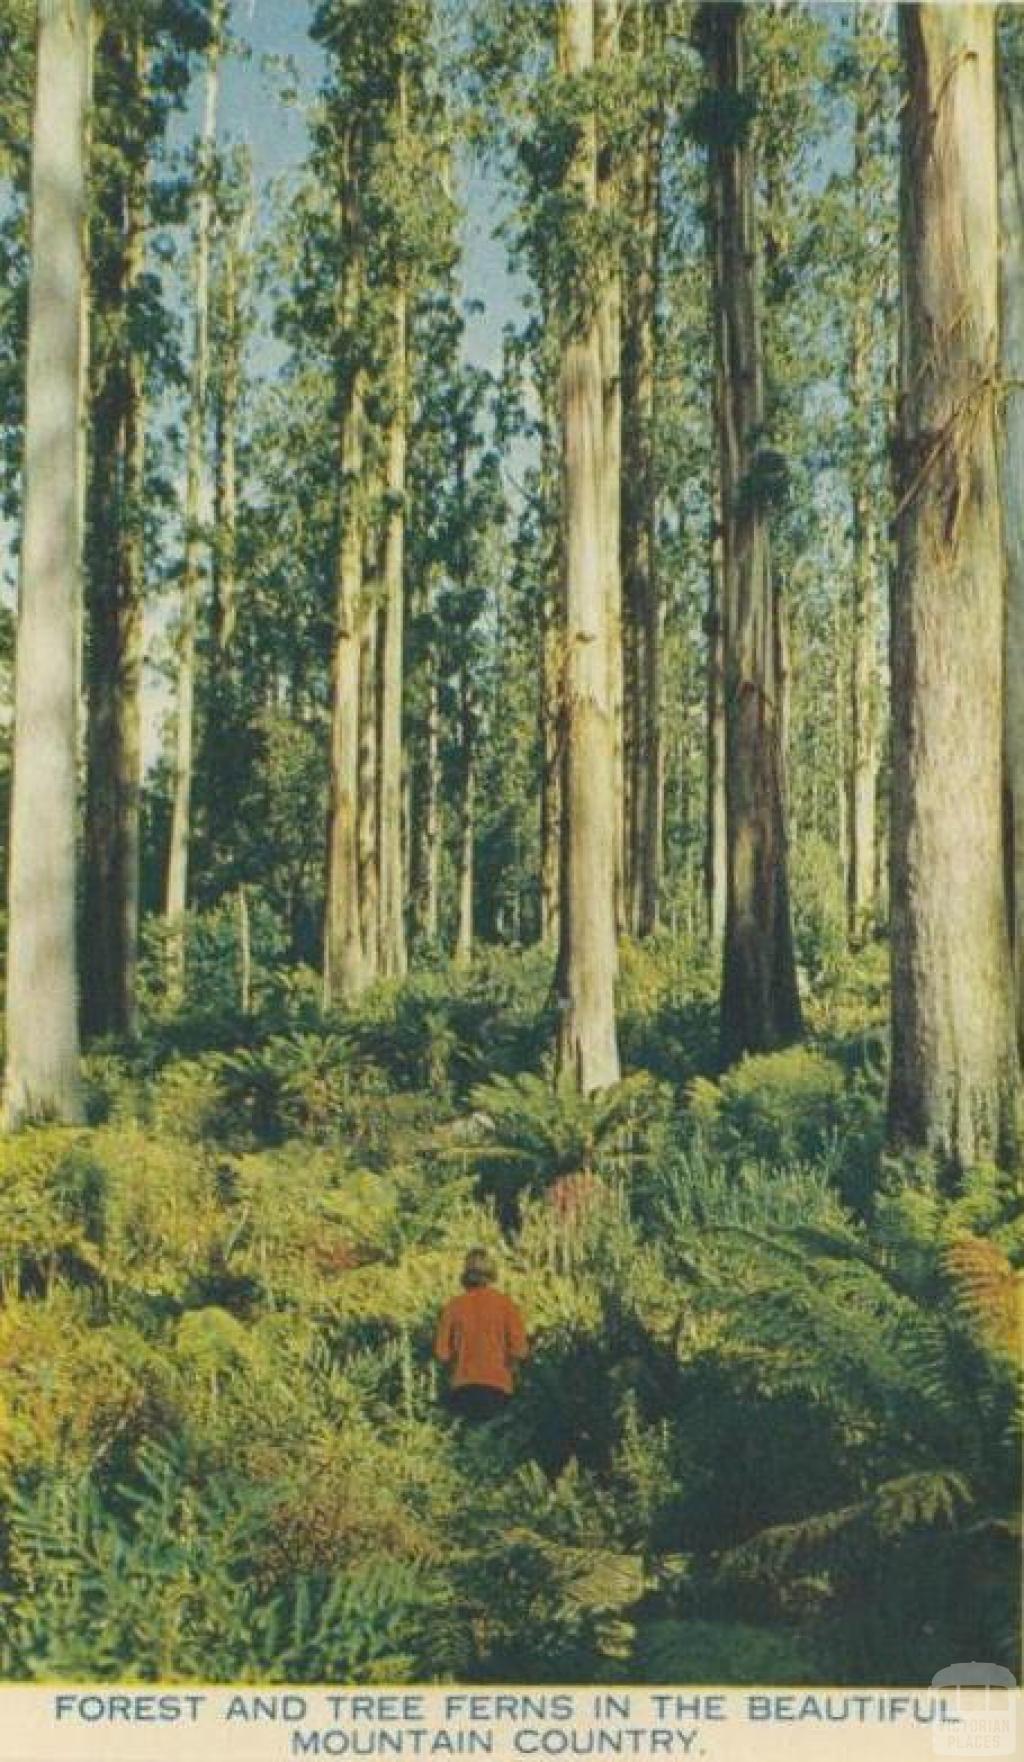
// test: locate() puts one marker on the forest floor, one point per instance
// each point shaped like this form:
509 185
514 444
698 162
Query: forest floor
765 1432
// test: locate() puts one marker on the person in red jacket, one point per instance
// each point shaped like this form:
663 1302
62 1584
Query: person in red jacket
481 1338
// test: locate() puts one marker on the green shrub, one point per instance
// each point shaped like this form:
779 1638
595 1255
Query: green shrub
186 1100
290 1085
39 1231
778 1106
71 1392
150 1205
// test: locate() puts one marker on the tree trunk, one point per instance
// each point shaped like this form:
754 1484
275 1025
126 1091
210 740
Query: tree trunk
229 391
551 654
244 954
426 808
760 1006
716 841
862 744
222 719
609 325
551 657
84 401
644 786
177 861
587 1045
393 960
954 1063
1011 223
115 568
715 846
371 618
467 824
42 1071
344 966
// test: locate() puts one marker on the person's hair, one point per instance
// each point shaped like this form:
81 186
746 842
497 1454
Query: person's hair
479 1269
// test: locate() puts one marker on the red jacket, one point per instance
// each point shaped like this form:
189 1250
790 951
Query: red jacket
482 1336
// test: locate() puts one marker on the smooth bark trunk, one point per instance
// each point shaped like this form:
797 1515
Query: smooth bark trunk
552 656
42 1050
587 1045
344 965
954 1060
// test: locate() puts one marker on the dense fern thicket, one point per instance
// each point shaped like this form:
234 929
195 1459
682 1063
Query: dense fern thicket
767 1431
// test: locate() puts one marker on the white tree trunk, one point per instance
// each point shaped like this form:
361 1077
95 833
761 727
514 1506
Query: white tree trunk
345 967
587 1043
954 1063
41 1078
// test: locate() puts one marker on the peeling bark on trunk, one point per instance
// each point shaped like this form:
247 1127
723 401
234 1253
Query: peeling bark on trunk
115 584
181 810
954 1061
1011 260
587 1045
42 1052
760 1006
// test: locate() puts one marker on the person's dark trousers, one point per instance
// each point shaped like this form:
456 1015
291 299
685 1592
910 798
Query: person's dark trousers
477 1402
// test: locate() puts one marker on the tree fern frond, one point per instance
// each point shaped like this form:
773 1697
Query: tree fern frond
930 1498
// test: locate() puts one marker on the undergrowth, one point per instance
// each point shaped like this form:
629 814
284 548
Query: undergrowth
767 1431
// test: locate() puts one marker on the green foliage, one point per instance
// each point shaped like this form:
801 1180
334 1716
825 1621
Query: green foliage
290 1085
819 909
36 1232
752 1422
534 1136
782 1106
694 1651
171 1582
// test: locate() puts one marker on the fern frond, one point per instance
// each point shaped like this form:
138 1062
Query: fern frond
928 1499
